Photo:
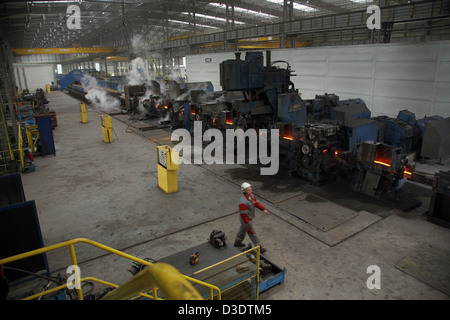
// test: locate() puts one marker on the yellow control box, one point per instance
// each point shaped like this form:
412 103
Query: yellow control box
107 128
167 169
83 113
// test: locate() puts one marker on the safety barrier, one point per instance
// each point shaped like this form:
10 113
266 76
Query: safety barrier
237 277
156 276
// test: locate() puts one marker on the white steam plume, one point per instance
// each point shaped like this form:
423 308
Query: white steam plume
138 73
100 99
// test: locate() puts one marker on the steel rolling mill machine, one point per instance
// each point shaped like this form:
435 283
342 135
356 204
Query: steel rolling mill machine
165 100
79 82
159 98
321 139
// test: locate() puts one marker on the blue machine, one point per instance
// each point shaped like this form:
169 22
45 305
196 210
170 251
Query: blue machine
354 117
321 106
268 93
291 108
380 169
404 131
46 135
75 79
240 74
359 131
409 117
349 110
70 78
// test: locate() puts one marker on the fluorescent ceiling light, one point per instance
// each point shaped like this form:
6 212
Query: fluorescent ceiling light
239 9
205 16
298 6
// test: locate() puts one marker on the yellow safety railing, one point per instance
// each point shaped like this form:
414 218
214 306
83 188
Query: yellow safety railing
170 281
19 149
234 275
32 133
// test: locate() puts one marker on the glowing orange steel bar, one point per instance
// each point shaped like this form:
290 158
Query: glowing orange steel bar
383 163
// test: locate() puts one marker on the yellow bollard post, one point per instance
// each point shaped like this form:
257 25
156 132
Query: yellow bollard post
83 113
107 128
167 169
47 87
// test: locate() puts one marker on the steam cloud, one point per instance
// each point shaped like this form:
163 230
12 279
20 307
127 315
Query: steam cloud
99 99
138 75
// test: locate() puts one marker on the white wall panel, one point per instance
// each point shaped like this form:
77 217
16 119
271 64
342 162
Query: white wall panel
350 69
311 82
389 77
442 93
292 56
309 69
205 67
444 52
419 90
353 86
424 71
351 55
443 72
408 52
35 76
441 108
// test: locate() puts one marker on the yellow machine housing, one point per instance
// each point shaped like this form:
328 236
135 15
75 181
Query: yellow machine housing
167 169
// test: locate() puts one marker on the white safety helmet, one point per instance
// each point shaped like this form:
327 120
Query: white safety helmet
244 186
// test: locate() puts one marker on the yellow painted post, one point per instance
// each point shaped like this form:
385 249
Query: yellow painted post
47 87
107 129
167 169
73 258
83 113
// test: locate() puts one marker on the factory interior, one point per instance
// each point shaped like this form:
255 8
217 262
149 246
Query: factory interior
233 150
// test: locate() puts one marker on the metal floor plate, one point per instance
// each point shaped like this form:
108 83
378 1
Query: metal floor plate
319 212
430 265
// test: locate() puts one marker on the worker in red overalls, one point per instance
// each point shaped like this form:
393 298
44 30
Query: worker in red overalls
247 205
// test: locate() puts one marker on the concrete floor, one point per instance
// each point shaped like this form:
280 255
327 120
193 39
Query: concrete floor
326 237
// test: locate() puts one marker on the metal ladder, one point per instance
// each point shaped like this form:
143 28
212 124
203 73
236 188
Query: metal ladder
11 136
6 152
